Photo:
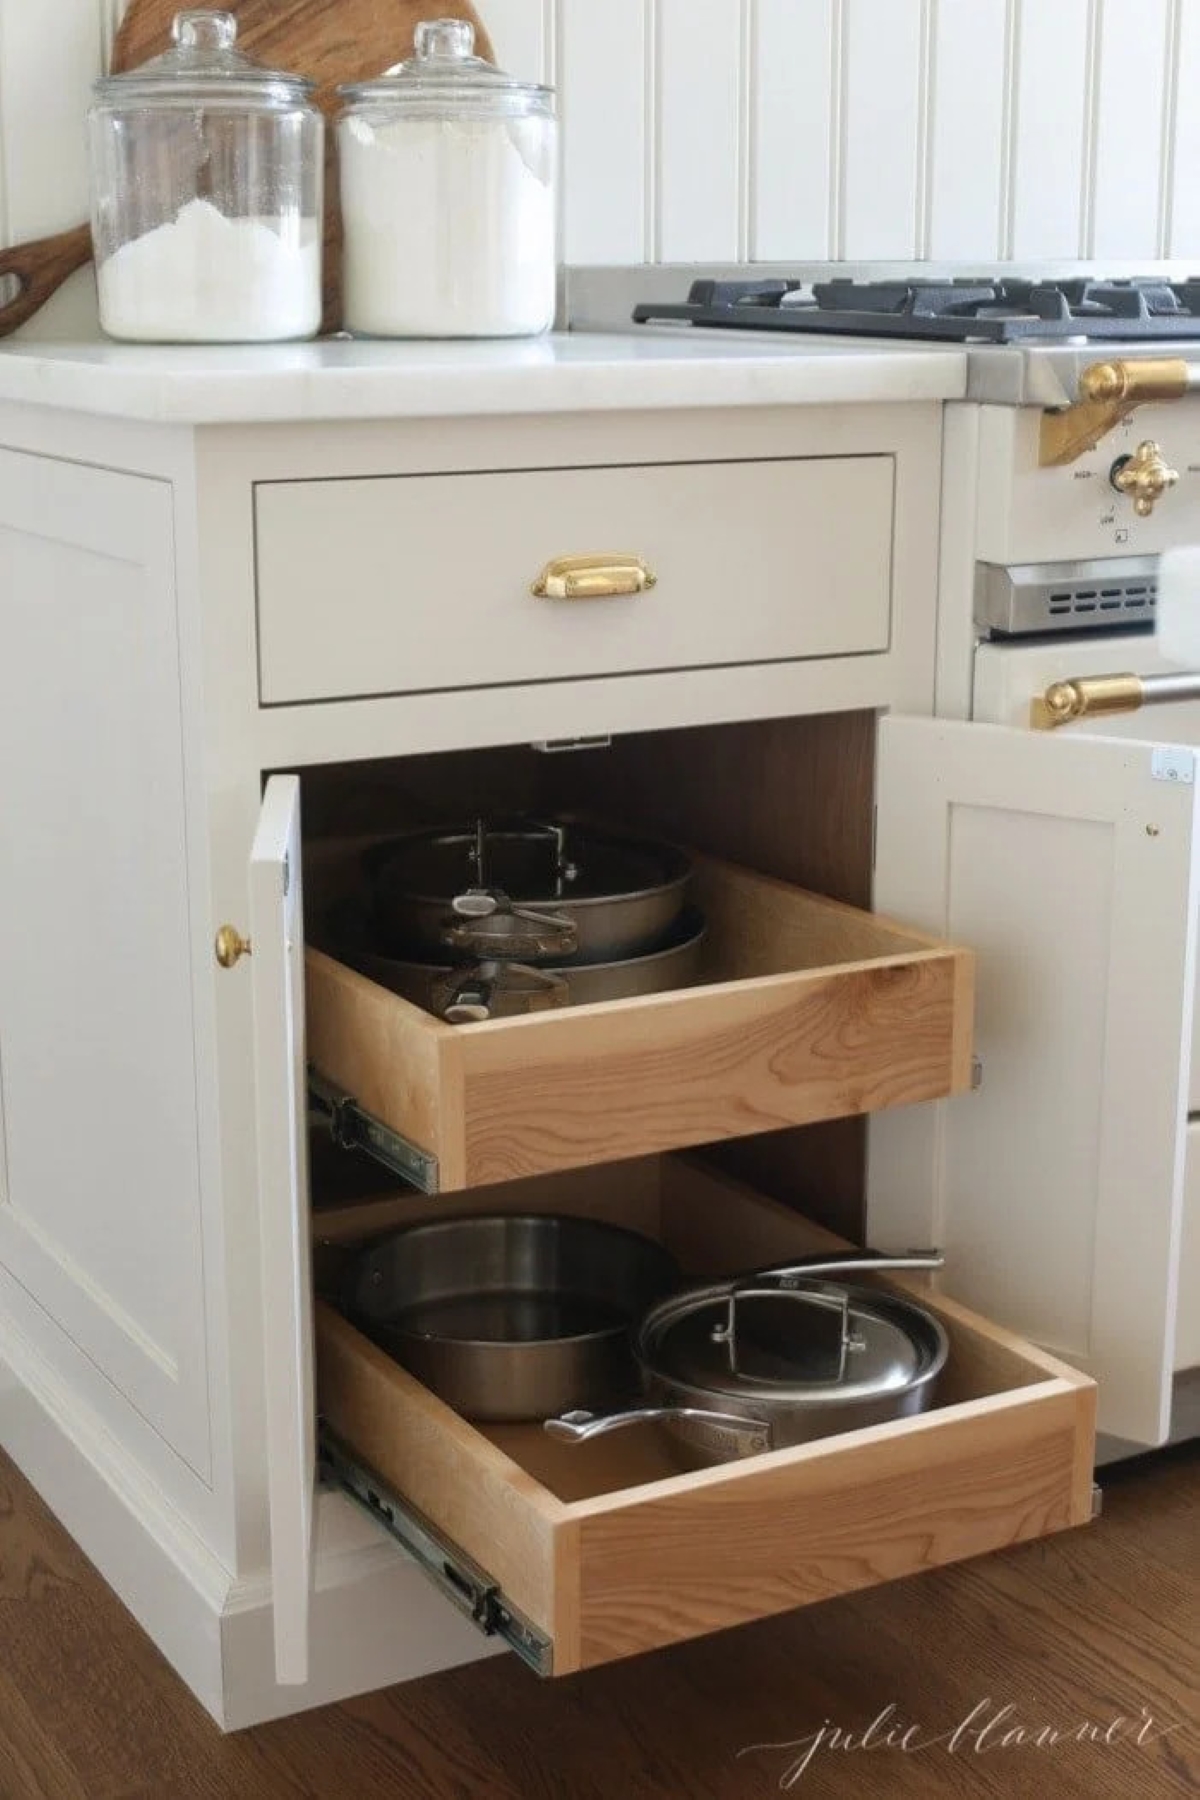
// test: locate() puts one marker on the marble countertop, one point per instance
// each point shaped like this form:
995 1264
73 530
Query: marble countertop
660 367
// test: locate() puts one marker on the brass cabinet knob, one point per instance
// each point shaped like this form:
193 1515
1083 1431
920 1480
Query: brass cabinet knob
596 577
1145 477
230 946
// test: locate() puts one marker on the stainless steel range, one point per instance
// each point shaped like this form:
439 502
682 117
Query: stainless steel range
1073 462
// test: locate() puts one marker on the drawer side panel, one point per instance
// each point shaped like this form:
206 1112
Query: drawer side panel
421 1449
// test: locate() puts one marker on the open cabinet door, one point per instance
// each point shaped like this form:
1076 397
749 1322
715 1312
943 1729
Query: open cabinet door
277 929
1068 864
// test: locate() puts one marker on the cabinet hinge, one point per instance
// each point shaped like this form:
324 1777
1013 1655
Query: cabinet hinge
976 1073
287 876
353 1129
458 1576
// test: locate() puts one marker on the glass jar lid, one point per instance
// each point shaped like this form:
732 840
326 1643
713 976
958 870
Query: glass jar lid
203 65
444 78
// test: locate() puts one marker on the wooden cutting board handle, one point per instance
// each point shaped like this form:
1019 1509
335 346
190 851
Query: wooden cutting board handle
41 268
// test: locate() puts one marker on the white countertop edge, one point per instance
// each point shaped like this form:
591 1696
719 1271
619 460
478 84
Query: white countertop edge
567 372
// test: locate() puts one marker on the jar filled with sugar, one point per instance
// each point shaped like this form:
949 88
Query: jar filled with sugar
449 196
207 178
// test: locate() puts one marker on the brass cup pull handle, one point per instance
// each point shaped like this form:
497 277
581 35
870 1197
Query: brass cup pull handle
230 946
600 577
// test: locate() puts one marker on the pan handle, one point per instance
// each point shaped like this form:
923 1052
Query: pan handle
839 1262
484 922
579 1427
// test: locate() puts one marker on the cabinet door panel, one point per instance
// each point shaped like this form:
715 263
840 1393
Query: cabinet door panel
100 1202
1056 1190
277 924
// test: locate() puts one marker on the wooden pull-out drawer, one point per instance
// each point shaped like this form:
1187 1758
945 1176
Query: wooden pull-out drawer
607 1549
808 1010
381 586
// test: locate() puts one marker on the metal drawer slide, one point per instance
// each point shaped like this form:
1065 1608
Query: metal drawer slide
352 1128
459 1578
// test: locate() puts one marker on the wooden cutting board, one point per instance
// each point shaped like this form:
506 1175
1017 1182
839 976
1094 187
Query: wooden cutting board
330 41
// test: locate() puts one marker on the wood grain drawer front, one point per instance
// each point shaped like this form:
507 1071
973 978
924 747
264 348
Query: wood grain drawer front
608 1549
376 586
809 1010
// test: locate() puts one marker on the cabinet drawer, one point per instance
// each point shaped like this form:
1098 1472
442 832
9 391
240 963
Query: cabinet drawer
376 586
607 1549
807 1010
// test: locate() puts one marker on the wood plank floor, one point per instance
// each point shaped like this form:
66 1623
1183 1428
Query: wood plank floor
1082 1630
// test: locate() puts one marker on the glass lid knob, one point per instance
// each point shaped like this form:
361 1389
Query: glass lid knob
444 40
204 30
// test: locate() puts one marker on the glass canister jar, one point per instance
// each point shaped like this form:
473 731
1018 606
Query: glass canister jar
207 178
449 196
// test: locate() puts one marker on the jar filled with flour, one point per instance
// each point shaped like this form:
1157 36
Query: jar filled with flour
207 177
449 202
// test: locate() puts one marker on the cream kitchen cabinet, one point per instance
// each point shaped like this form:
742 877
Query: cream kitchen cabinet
210 622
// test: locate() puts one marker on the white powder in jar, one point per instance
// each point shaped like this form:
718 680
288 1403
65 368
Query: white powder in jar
206 278
450 226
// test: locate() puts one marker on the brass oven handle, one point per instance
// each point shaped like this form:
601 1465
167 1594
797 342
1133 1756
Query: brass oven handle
1138 380
598 577
1108 393
1089 696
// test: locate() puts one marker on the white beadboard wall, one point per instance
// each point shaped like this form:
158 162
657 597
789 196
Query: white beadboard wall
778 130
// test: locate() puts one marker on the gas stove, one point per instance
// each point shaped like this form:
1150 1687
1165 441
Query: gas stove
961 310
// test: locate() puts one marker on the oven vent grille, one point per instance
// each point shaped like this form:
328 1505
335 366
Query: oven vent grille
1016 600
1129 597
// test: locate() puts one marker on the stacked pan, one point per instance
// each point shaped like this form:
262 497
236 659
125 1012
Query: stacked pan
489 920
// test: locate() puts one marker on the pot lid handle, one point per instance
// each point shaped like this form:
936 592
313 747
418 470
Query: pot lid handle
833 1299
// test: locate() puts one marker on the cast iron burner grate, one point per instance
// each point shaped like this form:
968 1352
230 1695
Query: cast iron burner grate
961 311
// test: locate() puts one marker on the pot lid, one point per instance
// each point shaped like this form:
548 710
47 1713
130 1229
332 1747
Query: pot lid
444 77
816 1342
203 64
538 863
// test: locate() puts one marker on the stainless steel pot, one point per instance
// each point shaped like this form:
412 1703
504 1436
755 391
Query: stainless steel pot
528 889
779 1358
511 1317
502 990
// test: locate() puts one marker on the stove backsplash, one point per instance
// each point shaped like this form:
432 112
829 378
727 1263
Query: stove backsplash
973 131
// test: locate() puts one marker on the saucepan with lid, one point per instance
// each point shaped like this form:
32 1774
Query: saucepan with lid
778 1358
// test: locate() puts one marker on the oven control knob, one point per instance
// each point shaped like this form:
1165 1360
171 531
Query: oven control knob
1145 477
